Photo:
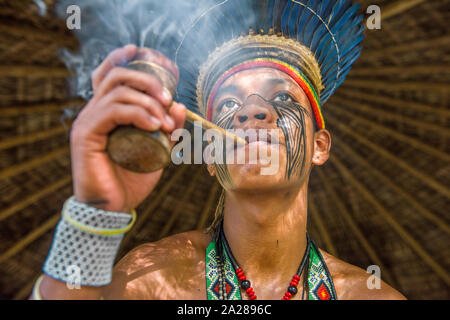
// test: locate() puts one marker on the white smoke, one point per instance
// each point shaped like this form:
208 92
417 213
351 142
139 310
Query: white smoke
110 24
158 24
42 6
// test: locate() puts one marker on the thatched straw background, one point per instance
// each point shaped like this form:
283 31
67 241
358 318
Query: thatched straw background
386 199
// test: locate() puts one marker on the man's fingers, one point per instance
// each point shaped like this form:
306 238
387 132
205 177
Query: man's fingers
137 80
178 113
127 95
122 114
116 58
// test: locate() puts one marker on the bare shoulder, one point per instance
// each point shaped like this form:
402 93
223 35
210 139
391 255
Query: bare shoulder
171 268
351 282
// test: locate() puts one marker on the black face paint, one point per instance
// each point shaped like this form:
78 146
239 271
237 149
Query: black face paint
291 121
226 121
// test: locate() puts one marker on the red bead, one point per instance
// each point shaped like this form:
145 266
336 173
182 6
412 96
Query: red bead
251 293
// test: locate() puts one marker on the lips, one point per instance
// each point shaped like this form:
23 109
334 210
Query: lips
258 138
255 137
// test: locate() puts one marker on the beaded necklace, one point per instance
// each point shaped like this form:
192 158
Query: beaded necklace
223 283
246 284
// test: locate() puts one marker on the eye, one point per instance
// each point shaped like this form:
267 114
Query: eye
229 104
283 97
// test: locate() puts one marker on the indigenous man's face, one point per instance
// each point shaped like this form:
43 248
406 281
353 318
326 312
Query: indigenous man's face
265 98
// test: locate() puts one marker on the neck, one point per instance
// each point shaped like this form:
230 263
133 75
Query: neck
267 236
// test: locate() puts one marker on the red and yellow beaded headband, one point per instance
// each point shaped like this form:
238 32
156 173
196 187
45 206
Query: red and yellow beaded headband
295 74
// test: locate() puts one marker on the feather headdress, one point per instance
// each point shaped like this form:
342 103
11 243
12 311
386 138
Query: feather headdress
319 39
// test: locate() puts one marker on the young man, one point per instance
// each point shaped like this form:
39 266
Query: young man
257 247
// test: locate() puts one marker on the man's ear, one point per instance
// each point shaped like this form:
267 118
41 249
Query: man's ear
322 145
211 169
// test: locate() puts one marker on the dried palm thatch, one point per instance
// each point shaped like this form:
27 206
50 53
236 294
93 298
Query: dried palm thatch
382 199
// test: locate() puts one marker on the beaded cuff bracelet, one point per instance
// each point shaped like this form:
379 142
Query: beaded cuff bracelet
85 244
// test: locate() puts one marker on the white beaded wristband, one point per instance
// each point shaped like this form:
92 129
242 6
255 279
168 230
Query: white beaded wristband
82 258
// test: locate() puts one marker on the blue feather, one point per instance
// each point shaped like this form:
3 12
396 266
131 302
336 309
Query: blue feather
292 24
285 17
269 19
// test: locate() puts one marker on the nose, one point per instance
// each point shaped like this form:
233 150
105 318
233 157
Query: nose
253 111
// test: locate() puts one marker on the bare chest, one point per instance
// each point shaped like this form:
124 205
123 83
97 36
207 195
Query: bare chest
181 283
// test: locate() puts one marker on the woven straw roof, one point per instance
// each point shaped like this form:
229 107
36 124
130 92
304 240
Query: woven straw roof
382 198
